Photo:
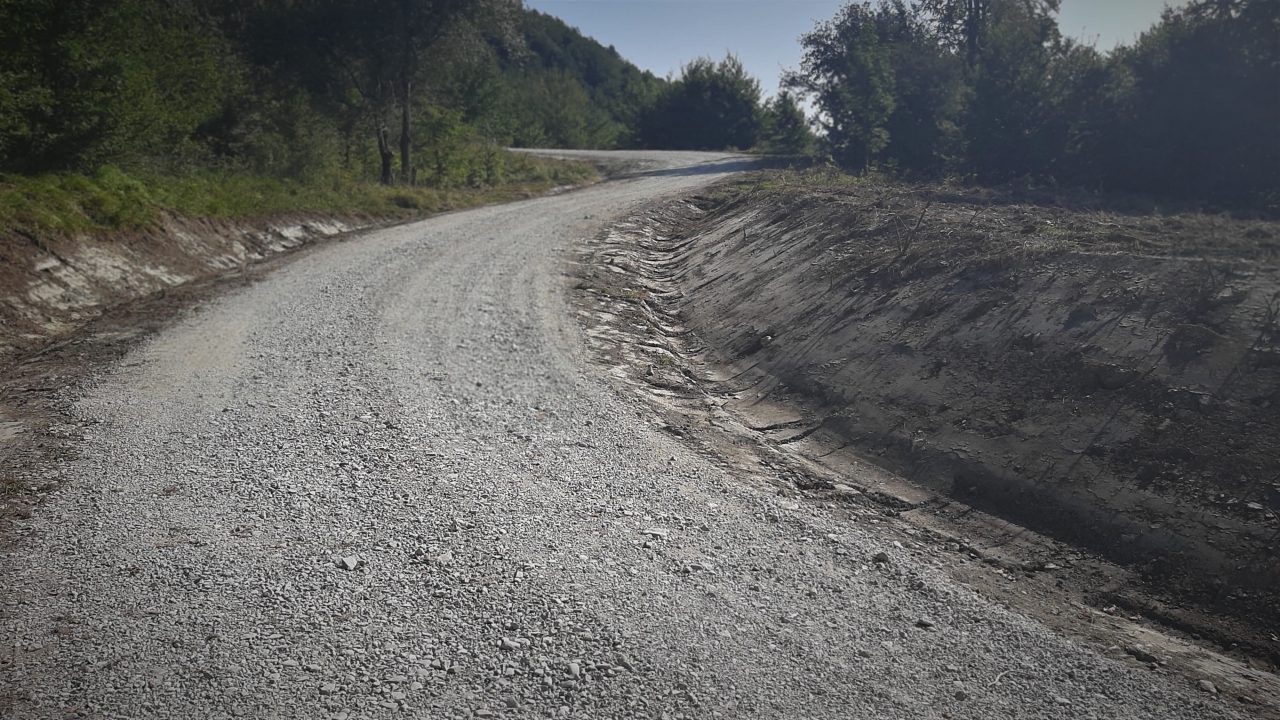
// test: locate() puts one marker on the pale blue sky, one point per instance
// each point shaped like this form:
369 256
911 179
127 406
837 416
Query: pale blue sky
662 35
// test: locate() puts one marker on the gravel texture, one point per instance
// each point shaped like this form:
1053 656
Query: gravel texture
385 483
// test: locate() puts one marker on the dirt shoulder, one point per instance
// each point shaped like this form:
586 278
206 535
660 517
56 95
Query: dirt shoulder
1079 404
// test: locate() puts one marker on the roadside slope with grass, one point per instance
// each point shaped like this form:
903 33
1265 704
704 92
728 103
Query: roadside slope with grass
73 245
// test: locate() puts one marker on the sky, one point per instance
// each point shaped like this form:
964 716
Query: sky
662 35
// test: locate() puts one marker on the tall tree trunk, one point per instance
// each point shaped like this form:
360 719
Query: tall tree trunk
406 167
974 24
408 66
385 153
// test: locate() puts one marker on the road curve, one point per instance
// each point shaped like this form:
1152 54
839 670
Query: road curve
384 483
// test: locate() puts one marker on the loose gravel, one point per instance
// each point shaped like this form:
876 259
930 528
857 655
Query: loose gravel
385 483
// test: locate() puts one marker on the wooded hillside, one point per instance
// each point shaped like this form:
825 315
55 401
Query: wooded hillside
411 91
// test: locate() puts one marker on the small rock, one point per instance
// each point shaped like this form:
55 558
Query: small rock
328 689
350 562
880 557
445 558
574 669
1207 686
1141 653
924 623
962 695
509 644
659 533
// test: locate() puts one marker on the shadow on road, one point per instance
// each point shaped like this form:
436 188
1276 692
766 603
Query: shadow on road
712 167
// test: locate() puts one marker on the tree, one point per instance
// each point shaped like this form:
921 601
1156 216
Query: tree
83 81
712 106
964 24
929 91
785 127
372 55
991 89
301 88
1197 104
847 70
1010 117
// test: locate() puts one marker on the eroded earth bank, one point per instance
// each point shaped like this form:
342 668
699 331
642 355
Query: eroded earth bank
1085 400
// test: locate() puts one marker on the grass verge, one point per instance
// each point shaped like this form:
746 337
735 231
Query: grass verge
113 199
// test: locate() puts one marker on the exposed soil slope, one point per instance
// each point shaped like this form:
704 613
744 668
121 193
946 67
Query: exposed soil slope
51 286
1111 380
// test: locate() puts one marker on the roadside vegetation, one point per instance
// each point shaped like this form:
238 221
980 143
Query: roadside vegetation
112 199
991 91
113 112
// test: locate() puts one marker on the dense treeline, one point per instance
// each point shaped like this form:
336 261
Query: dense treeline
426 92
593 98
717 106
992 90
408 91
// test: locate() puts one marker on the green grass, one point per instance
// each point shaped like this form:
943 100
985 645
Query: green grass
113 199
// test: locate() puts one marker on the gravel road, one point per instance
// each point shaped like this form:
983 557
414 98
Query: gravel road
386 483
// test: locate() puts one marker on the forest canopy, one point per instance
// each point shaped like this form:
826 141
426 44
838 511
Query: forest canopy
992 90
409 91
428 92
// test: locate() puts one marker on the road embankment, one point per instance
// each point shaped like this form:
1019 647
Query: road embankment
1106 378
53 285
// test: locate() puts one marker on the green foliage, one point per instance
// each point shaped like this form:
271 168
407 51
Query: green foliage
552 109
68 202
785 129
848 70
1198 104
612 93
990 89
1009 117
713 106
307 90
87 82
112 199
